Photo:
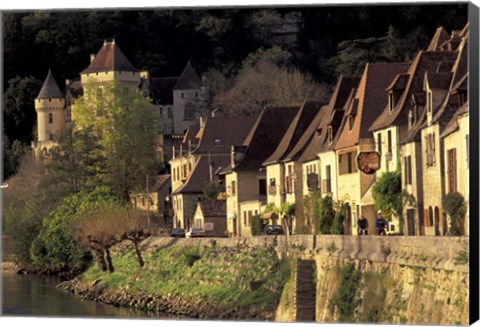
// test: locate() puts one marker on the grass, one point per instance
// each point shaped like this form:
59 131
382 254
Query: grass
207 273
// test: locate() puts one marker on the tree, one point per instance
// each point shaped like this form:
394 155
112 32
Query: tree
55 247
337 226
454 206
325 215
127 128
387 194
266 84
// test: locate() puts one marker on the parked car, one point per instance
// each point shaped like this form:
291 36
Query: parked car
274 230
195 232
177 232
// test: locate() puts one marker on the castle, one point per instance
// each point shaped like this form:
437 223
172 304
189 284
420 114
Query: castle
177 99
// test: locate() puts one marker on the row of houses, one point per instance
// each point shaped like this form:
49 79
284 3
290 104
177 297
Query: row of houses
415 115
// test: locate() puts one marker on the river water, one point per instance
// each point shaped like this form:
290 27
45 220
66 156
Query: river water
27 296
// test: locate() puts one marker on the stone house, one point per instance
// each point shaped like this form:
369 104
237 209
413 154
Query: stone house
284 178
207 152
212 217
364 105
425 92
245 177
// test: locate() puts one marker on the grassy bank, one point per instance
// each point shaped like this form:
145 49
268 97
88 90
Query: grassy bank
228 278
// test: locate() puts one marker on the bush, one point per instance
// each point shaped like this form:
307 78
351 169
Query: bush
337 227
454 206
257 225
345 297
325 215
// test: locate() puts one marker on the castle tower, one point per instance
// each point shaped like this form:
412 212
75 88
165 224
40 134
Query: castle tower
110 64
188 96
50 108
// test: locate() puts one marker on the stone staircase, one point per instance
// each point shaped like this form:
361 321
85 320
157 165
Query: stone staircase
305 291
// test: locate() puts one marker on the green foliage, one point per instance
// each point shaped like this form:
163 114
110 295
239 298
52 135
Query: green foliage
454 206
461 258
126 126
192 274
325 215
210 191
274 55
258 224
337 226
288 209
54 247
346 297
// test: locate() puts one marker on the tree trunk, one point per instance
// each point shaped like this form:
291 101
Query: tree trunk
98 255
138 253
108 259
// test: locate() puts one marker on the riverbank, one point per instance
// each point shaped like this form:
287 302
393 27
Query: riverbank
198 279
8 267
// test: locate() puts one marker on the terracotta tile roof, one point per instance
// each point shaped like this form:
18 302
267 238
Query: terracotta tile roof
265 136
297 127
200 174
75 88
423 62
371 101
438 39
220 133
213 208
314 140
189 79
109 58
161 89
50 89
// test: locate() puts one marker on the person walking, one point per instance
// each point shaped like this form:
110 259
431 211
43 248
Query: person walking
381 224
362 224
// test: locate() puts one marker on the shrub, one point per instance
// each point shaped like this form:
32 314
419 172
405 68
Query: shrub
337 227
454 206
257 225
345 297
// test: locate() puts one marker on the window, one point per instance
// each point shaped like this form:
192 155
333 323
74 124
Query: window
50 118
249 218
391 103
429 101
452 170
328 175
346 163
430 149
379 143
188 113
349 158
389 140
408 170
430 216
169 112
184 172
245 218
262 186
217 141
233 188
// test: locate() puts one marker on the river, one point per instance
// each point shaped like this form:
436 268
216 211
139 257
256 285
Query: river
27 296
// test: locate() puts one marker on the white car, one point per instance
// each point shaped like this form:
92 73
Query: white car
195 232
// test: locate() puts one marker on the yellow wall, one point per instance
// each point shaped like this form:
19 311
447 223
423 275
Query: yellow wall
248 209
276 171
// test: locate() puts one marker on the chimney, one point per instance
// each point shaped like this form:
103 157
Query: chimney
173 151
92 57
201 122
67 82
232 156
181 150
189 146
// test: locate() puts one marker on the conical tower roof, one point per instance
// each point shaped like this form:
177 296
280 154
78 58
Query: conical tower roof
50 89
189 79
109 58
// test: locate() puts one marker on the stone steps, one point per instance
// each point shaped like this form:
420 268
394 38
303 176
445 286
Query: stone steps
305 293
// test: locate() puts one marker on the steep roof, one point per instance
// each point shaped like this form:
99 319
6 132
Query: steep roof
50 89
189 79
156 183
220 133
75 88
213 208
299 124
109 58
369 101
201 173
265 136
452 125
423 62
438 39
313 140
161 89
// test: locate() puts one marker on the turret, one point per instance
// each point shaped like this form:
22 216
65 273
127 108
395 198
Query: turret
50 107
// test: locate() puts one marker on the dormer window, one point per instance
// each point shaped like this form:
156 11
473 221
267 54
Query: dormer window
391 102
350 122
